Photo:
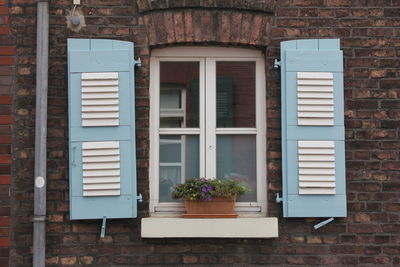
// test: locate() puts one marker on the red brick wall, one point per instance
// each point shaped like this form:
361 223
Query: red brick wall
370 38
7 62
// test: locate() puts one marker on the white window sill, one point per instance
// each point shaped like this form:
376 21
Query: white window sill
256 227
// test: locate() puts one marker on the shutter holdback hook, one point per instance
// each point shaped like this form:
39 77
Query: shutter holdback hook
137 62
277 64
103 228
278 198
323 223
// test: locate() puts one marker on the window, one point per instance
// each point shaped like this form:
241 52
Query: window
207 119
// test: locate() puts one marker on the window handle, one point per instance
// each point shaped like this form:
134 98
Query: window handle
73 156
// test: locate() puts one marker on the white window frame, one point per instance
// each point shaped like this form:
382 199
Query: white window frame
207 58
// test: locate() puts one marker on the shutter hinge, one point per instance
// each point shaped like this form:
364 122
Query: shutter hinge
103 227
323 223
278 198
139 198
137 62
277 64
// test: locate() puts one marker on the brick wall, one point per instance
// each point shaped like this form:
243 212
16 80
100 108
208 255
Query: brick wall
370 38
7 62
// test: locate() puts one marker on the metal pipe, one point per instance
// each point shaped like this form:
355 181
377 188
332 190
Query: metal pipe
42 54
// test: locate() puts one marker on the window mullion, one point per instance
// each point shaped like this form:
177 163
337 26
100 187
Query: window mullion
202 118
210 120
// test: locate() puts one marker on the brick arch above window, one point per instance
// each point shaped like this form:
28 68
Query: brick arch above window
267 6
188 26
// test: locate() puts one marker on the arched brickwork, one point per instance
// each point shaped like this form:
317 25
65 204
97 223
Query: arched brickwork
233 27
267 6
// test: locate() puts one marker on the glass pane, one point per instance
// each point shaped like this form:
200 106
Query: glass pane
179 160
179 94
236 94
170 149
236 159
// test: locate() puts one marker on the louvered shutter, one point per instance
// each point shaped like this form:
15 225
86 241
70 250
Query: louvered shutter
313 159
102 155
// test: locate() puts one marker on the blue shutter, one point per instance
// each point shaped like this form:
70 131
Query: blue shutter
313 159
102 159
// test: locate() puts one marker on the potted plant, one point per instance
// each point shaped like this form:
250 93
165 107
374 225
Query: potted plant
209 198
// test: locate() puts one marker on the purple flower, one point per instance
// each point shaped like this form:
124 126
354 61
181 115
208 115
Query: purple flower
204 189
209 199
209 188
202 194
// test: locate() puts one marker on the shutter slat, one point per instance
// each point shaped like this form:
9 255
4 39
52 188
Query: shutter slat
97 89
101 186
101 166
93 96
313 114
316 151
314 75
104 152
317 178
99 83
316 144
99 75
101 159
100 145
101 115
315 102
96 180
315 122
317 191
102 173
89 109
100 122
316 164
312 157
318 82
102 193
315 184
102 102
314 108
317 171
315 95
314 88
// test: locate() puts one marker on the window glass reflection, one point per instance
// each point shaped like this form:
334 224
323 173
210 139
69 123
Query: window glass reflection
179 94
236 94
236 159
179 160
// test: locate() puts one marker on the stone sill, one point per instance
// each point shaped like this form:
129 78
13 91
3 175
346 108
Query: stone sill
159 227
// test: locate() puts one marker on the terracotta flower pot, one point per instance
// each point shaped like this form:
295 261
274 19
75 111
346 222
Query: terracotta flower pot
216 208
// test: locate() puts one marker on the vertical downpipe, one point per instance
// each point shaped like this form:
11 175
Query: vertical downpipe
42 54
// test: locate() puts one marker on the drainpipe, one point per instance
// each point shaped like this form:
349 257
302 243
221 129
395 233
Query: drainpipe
42 54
